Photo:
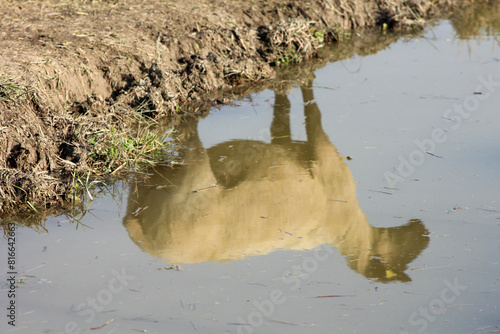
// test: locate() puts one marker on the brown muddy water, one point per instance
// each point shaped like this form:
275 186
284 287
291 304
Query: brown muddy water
365 200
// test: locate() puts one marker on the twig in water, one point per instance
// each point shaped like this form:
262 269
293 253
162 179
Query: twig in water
333 296
437 156
107 323
382 192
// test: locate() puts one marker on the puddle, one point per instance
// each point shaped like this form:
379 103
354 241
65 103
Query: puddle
246 197
363 200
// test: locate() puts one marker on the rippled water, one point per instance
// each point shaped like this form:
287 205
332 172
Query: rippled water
364 199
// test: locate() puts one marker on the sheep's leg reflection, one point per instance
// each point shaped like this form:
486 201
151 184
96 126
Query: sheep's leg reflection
280 126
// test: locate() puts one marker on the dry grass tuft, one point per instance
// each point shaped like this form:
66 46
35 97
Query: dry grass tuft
295 36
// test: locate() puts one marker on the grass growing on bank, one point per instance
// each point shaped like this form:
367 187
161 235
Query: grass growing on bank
129 144
86 150
120 149
296 40
12 90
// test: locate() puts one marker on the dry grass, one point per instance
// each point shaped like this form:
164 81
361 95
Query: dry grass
11 90
294 40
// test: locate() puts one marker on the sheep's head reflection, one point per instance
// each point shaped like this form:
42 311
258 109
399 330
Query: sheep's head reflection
245 197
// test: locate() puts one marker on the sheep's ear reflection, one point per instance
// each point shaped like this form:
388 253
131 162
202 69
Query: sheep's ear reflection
245 197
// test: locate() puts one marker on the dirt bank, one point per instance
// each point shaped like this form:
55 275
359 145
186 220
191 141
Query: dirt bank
77 76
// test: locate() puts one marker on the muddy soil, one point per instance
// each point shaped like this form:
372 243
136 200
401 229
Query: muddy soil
69 70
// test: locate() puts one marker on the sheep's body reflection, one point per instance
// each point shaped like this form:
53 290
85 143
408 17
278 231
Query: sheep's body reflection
244 198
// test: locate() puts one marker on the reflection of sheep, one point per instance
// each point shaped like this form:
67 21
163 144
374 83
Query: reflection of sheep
243 198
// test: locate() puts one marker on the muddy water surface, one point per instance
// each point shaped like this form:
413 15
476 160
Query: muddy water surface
365 199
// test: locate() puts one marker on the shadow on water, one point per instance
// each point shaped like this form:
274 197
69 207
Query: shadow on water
245 197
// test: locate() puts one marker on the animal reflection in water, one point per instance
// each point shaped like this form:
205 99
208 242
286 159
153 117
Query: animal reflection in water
244 197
